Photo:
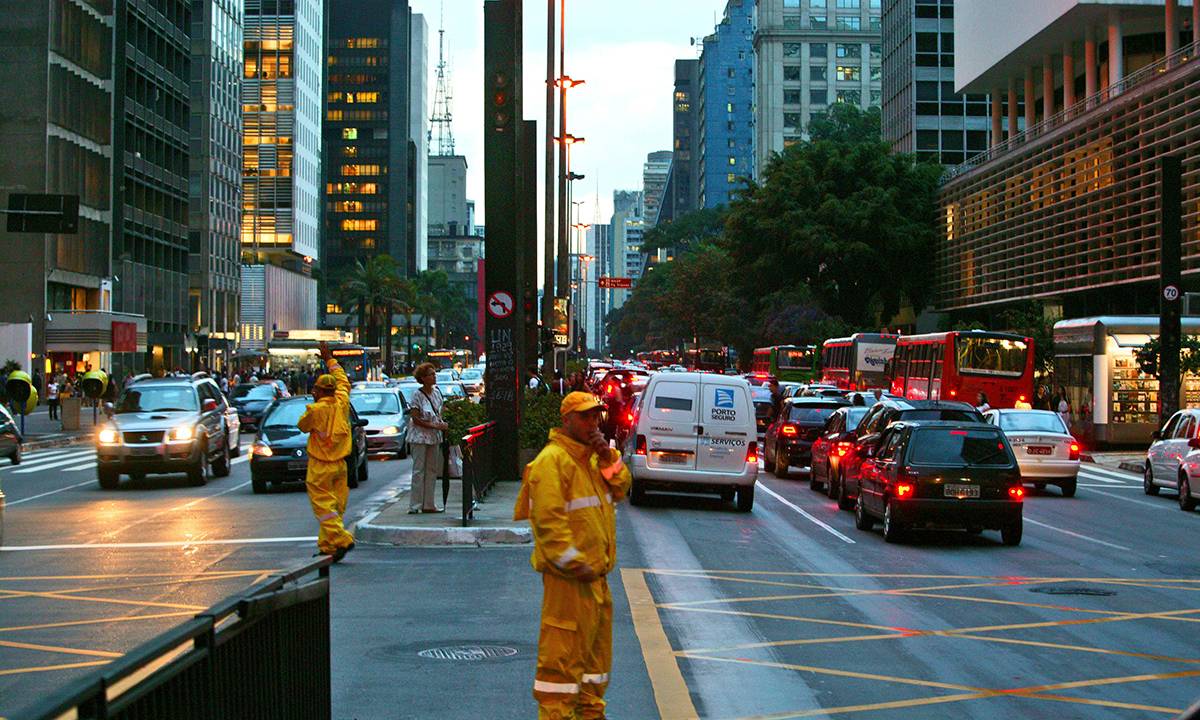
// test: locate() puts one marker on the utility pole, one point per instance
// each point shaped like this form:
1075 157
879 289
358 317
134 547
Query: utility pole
548 271
563 282
1170 288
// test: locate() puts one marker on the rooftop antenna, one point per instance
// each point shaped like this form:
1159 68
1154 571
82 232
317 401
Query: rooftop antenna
440 123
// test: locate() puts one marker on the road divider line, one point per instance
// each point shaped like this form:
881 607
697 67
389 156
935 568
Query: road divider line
1135 501
51 492
1119 474
77 468
820 523
244 457
159 544
1103 478
1105 543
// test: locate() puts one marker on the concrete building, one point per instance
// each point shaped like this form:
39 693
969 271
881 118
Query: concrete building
281 166
215 180
726 105
808 56
628 228
598 302
448 204
655 175
922 113
418 124
684 195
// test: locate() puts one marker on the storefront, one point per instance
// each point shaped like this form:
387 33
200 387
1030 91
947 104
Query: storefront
82 340
1113 402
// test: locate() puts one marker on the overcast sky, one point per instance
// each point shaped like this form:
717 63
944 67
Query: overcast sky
624 49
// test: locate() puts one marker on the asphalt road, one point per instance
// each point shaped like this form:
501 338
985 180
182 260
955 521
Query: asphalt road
786 612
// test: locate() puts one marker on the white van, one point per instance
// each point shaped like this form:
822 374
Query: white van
694 432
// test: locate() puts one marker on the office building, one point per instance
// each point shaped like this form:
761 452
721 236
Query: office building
655 174
215 187
628 228
418 126
726 102
281 138
685 164
808 56
598 302
455 243
922 113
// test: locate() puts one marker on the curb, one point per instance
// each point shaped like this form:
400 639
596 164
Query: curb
446 536
1087 458
56 442
1132 467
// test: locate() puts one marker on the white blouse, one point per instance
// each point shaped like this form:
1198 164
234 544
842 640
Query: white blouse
429 409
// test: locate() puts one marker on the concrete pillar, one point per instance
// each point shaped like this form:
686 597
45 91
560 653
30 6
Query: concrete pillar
1068 75
1116 49
1047 86
1012 108
997 114
1090 70
1172 29
1030 100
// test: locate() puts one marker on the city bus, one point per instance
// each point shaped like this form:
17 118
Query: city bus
794 363
290 354
959 365
446 359
706 359
857 362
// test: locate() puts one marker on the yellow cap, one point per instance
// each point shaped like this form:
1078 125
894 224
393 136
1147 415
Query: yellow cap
326 382
579 402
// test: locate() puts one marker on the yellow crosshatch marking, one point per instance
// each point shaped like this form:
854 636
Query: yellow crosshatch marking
663 660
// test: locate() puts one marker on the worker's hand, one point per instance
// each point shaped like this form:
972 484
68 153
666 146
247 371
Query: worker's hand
326 353
584 573
598 443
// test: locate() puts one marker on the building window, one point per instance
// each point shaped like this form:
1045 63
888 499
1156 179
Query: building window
850 97
791 50
849 73
816 4
349 133
731 178
876 98
847 4
818 73
353 170
876 24
791 72
876 51
792 22
818 22
360 225
791 3
849 22
849 50
359 43
791 120
818 50
817 97
348 206
791 97
728 107
732 160
362 97
876 73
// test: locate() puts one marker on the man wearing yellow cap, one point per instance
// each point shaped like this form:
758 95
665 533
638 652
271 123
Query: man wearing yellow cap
327 422
568 495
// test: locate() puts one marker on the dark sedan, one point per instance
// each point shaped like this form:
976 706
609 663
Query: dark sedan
280 453
830 450
252 400
790 438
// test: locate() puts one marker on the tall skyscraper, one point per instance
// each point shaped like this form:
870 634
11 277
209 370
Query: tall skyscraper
809 56
921 111
281 115
628 228
598 302
655 174
686 113
726 100
418 124
215 188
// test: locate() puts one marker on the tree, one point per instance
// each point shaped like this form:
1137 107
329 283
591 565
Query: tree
844 122
686 231
447 304
1148 356
1029 319
371 290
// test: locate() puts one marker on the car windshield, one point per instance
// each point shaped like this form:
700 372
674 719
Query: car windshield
375 403
472 375
285 414
160 398
854 415
960 415
958 446
445 375
265 391
408 390
810 415
452 390
1032 422
760 393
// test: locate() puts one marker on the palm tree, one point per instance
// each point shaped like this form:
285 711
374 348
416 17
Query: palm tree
372 289
446 303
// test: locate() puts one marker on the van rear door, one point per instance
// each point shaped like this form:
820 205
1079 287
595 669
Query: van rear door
727 419
670 425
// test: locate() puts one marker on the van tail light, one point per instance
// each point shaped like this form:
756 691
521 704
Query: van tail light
641 446
904 490
843 448
629 418
953 393
788 430
1016 493
752 453
1073 450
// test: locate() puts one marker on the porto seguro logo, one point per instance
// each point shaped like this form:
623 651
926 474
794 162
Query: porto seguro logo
724 405
724 398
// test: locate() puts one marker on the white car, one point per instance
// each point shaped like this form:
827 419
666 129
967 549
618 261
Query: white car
1046 451
1172 461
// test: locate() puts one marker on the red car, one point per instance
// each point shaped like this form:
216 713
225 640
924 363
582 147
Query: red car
830 451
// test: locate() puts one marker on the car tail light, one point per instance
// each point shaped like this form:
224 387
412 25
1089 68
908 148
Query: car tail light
1016 493
752 454
1073 449
843 448
629 418
904 490
641 446
788 430
953 393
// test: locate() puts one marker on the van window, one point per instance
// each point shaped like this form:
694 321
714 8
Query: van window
958 446
663 402
673 402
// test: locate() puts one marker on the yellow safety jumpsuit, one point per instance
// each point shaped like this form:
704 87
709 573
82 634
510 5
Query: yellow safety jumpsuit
327 422
568 496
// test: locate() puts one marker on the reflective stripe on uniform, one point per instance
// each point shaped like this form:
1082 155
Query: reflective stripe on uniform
570 554
560 688
595 678
583 502
327 516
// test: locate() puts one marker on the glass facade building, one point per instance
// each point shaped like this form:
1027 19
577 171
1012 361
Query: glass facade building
726 105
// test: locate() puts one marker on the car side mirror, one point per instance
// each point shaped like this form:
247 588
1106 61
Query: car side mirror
208 405
1156 435
109 409
360 423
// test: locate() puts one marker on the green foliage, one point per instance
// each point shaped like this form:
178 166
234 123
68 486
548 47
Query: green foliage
10 366
844 122
539 415
1029 319
461 416
1149 354
687 231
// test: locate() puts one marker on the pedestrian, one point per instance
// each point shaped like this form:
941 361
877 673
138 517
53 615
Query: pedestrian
52 397
425 440
981 402
1063 406
568 495
327 422
776 398
559 386
878 394
1042 400
36 381
535 382
224 384
577 382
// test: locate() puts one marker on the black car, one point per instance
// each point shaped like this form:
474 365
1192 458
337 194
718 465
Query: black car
830 449
280 452
789 439
252 400
941 474
764 408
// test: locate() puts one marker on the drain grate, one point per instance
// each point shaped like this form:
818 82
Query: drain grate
468 652
1069 590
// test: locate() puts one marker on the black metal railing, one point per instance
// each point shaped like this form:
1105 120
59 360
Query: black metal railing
263 653
478 474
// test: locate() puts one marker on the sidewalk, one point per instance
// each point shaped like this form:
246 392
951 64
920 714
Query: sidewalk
1128 461
42 432
492 523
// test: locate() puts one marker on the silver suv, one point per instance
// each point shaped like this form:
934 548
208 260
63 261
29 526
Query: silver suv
167 425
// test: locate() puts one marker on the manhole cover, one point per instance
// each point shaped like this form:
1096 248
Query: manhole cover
1088 591
468 652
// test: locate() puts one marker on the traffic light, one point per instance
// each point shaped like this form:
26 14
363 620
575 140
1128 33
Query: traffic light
502 113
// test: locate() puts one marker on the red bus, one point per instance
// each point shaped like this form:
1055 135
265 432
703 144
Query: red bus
858 362
958 365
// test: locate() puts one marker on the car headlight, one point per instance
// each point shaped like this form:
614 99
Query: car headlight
108 436
390 430
262 450
183 433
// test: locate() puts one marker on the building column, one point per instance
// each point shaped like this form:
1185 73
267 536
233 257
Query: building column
997 115
1030 100
1068 75
1012 108
1172 29
1090 69
1116 49
1047 86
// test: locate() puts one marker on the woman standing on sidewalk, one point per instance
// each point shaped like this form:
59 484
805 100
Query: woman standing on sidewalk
52 397
425 440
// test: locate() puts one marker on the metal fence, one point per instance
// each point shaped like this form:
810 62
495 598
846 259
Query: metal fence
262 654
478 472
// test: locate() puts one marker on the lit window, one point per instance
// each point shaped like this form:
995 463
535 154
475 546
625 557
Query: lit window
360 225
731 178
349 133
849 73
353 170
733 161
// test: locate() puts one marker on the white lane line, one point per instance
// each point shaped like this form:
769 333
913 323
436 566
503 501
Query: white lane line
185 506
77 468
29 463
48 466
1119 474
238 460
162 544
1147 503
1102 478
1111 487
806 514
52 492
1076 535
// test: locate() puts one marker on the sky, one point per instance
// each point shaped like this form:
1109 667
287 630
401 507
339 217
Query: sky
625 50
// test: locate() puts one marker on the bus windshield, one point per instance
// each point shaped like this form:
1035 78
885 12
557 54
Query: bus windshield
991 356
796 358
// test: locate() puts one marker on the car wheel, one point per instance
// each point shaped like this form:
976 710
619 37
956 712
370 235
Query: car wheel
198 472
843 498
15 458
893 531
1010 534
257 484
780 468
351 477
1068 487
108 478
830 485
728 495
1187 503
221 467
745 498
1148 485
862 520
235 450
813 483
363 475
637 493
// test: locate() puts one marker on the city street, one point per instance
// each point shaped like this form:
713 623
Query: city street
785 612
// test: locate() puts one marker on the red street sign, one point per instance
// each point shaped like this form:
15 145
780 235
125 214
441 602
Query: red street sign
124 337
616 283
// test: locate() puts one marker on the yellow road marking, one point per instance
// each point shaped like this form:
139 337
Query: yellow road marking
671 693
871 707
126 576
48 668
839 673
1061 646
85 598
789 643
138 585
794 618
1108 703
57 649
836 592
96 621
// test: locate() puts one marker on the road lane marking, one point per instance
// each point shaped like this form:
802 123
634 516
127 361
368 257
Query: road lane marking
1103 478
29 465
1110 487
49 668
127 576
1135 501
51 492
1077 535
98 621
1118 474
10 594
871 707
244 457
46 466
825 526
58 649
77 468
161 544
185 506
671 693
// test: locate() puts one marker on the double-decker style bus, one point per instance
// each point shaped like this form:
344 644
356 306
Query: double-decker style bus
858 362
959 365
794 363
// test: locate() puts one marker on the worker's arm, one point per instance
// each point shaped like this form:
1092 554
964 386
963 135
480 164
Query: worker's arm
548 518
309 419
615 473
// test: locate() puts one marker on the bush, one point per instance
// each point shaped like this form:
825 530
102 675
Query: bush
462 415
539 415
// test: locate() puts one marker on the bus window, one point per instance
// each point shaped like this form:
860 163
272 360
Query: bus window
991 356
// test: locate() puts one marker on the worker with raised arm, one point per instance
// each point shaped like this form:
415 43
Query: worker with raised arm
327 422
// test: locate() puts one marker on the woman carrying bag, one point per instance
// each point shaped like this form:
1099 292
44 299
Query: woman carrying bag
425 440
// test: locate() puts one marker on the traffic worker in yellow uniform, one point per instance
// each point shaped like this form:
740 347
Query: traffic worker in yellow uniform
327 422
569 495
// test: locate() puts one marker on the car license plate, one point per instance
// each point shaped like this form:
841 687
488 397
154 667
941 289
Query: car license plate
144 451
1039 450
297 465
672 458
961 491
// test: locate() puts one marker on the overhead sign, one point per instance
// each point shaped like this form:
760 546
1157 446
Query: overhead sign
561 324
500 305
616 283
